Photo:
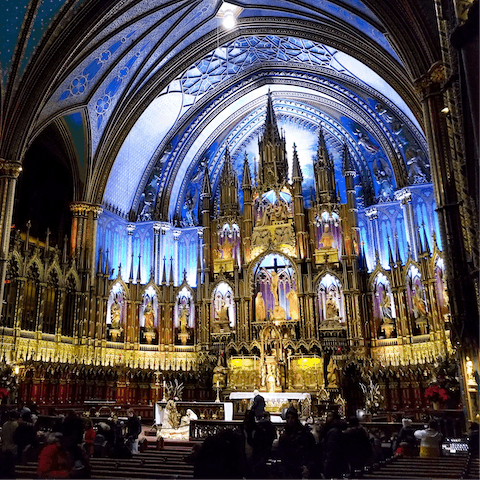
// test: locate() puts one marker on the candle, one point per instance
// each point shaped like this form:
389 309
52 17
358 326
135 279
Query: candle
218 384
164 384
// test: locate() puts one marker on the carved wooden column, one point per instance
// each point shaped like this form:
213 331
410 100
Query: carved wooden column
9 172
449 180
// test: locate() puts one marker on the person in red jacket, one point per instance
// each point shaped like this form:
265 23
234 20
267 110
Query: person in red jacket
89 438
54 460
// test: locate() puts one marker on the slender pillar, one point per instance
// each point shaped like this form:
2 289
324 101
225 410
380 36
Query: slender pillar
156 252
130 230
9 172
405 197
95 212
372 214
176 237
165 228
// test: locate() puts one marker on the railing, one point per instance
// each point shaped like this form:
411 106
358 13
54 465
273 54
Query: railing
27 334
201 429
148 348
385 342
421 338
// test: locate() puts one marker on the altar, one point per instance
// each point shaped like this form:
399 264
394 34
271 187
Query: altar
275 402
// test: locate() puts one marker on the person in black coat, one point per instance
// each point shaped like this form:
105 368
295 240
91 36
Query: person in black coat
258 405
296 447
358 446
134 428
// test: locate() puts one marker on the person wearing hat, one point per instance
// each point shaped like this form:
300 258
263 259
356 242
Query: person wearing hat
54 460
406 443
430 440
296 446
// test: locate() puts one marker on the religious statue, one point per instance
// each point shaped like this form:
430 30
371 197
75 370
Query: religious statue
416 172
274 285
331 306
365 142
222 321
188 417
419 304
115 315
271 382
293 308
470 371
383 174
149 317
260 308
171 417
386 306
332 374
183 321
227 248
326 240
219 374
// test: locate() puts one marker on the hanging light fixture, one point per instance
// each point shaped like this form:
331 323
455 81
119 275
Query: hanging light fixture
229 14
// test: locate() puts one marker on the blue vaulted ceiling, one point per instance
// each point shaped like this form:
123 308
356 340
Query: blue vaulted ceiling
164 88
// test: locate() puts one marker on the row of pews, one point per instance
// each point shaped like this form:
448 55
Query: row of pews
170 463
173 462
458 466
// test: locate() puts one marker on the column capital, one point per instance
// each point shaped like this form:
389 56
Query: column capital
435 76
10 168
165 227
130 228
371 213
404 195
83 208
156 228
176 234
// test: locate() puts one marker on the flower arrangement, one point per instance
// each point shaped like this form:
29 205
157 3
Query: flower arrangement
373 398
434 393
8 382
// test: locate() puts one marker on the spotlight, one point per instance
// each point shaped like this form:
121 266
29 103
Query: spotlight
445 111
229 20
228 13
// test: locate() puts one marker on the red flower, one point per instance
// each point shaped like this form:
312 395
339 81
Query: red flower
435 393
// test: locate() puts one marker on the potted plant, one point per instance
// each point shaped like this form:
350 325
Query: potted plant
437 395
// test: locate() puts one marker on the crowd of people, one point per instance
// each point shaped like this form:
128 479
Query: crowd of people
64 449
333 449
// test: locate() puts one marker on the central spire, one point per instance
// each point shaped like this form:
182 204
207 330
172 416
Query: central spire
273 165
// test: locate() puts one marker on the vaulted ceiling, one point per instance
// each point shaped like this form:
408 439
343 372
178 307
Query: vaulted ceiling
145 93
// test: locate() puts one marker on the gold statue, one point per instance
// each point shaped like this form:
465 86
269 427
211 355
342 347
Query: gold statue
331 306
219 374
419 305
293 309
183 321
326 240
332 374
115 315
222 321
227 248
260 308
149 317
